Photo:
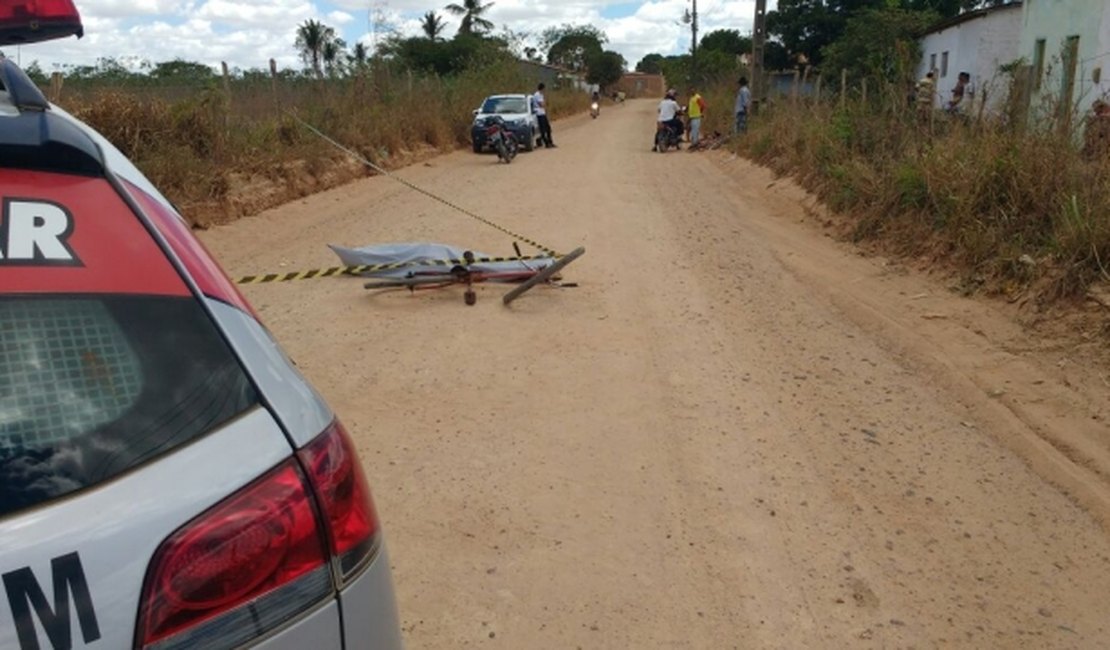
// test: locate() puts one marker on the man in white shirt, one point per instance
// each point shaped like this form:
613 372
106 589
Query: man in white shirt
668 113
539 104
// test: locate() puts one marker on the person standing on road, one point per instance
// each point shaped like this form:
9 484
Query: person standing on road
743 105
695 111
540 106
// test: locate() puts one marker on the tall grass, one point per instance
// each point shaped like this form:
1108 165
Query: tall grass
194 142
1012 207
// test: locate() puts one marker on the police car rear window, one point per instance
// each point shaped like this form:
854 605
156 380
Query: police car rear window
92 386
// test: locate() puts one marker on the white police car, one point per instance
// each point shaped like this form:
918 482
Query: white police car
167 477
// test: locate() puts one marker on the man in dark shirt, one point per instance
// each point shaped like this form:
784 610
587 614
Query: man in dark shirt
958 92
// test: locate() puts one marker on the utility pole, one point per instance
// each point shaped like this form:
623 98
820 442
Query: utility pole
759 37
691 17
694 40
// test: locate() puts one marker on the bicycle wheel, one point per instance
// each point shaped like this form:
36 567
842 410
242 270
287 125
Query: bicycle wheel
394 283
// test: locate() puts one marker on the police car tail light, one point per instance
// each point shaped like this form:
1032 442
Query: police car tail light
352 523
31 21
238 570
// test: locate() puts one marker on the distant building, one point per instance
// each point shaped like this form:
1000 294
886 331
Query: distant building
642 84
553 76
1067 44
976 42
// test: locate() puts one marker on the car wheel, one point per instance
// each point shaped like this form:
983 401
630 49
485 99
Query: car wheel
530 142
477 146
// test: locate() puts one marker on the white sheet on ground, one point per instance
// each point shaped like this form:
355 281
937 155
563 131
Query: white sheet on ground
418 257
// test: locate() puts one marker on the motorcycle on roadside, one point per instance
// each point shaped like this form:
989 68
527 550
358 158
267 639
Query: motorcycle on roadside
667 136
501 139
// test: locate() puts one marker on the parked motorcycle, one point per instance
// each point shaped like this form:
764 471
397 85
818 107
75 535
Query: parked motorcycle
667 136
501 139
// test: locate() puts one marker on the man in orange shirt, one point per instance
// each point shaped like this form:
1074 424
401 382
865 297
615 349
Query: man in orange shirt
695 110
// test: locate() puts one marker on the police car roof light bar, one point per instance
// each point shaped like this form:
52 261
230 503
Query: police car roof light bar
32 21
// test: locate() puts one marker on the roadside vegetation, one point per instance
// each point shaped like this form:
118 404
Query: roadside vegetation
1015 199
1013 207
202 137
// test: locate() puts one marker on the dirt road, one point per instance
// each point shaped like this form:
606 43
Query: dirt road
736 433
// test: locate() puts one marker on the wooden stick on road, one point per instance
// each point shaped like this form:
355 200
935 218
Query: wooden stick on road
543 275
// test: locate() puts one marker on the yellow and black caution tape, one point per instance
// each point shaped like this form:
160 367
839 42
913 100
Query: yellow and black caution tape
548 251
362 269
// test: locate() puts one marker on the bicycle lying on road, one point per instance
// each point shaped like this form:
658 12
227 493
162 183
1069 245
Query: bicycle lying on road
462 274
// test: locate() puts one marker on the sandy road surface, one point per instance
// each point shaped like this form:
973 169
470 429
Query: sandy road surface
735 433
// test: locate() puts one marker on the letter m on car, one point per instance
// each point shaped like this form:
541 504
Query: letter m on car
28 602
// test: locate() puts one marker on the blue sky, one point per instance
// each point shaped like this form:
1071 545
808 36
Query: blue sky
247 33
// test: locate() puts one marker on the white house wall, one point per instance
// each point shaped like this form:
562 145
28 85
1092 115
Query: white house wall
1054 21
979 46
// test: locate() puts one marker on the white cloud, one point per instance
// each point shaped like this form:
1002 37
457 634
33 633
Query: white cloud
247 33
128 8
339 18
254 14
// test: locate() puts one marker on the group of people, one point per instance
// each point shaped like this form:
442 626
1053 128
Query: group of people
669 113
926 91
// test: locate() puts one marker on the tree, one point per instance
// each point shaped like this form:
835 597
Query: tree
313 38
471 12
807 27
35 72
677 69
182 70
443 58
334 56
726 40
572 46
650 64
949 8
359 58
432 25
516 42
605 68
880 43
775 56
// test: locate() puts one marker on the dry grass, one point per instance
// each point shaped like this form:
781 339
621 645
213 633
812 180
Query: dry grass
192 141
1011 208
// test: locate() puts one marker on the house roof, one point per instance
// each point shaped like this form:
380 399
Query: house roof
970 15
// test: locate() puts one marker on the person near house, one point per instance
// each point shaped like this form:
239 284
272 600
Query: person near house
695 110
958 92
539 105
925 94
1096 131
668 115
743 105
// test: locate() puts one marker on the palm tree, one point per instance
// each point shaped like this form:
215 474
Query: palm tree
359 56
333 56
432 25
312 39
471 12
